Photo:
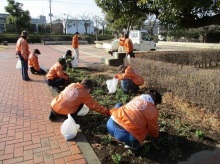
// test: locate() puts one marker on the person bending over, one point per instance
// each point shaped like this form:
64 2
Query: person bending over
69 57
130 79
72 99
56 77
132 122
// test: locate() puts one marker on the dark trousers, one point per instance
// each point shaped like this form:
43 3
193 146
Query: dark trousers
56 116
34 71
24 67
56 82
129 85
131 54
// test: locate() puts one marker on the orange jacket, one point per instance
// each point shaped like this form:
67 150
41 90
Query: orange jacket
130 73
75 94
121 41
22 46
128 45
75 43
138 117
56 71
33 62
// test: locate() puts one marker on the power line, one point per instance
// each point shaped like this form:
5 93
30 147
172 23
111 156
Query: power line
74 3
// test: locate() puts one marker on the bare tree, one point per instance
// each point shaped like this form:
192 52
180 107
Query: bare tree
102 23
67 21
86 22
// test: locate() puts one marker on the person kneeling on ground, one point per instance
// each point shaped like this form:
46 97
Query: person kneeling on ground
72 99
56 77
130 80
68 56
34 64
131 123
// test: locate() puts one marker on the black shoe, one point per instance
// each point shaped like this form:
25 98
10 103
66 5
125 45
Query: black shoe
52 117
28 79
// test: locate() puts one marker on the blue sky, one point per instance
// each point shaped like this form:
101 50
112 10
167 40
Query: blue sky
75 8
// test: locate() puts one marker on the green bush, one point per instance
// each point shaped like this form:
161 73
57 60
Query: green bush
39 38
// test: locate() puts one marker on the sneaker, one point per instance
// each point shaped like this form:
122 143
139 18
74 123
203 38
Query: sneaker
131 147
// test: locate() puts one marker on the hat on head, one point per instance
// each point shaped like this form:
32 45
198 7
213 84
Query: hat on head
68 53
36 51
24 33
77 32
87 83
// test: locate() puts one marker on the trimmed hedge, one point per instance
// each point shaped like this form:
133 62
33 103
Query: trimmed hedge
199 86
197 58
38 38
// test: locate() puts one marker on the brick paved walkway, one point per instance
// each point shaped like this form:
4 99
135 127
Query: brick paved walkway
26 134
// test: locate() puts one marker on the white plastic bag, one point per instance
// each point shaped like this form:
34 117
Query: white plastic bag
69 128
74 62
44 68
83 111
112 85
18 65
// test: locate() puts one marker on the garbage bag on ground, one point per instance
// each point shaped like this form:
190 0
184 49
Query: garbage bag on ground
69 128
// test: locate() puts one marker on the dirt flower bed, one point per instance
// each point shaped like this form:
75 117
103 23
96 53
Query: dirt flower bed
184 128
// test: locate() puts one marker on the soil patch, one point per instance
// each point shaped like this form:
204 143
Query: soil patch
184 128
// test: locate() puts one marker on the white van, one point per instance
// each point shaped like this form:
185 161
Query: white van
141 42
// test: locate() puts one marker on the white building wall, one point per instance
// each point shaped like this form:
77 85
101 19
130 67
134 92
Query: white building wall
77 26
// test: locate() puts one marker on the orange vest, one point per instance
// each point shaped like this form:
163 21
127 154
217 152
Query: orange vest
128 45
130 73
22 46
33 62
138 117
56 71
75 94
121 41
75 43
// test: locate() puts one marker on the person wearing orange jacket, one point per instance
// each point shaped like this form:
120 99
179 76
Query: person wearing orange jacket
130 79
128 47
75 45
72 99
34 64
121 43
133 122
22 50
56 76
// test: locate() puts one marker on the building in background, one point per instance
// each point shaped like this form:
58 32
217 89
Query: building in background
2 22
41 21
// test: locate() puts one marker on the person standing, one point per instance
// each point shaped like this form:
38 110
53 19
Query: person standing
22 50
133 122
121 43
128 48
75 45
34 64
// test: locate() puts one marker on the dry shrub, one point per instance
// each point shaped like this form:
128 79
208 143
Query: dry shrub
198 86
198 58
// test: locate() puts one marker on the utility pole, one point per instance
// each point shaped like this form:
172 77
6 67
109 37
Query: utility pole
50 15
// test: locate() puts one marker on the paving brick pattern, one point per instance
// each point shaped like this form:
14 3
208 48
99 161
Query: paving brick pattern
26 134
